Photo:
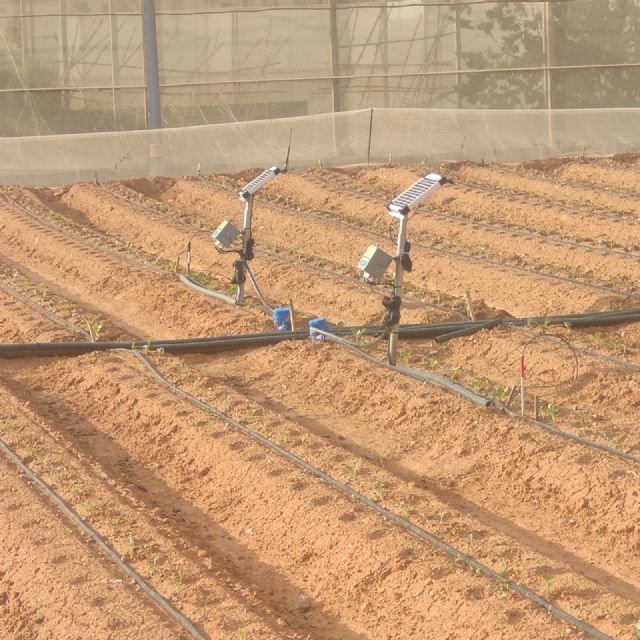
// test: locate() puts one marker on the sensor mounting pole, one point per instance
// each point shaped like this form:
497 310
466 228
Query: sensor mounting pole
246 243
400 207
396 294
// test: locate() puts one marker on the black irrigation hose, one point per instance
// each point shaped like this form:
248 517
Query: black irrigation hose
226 343
104 547
420 533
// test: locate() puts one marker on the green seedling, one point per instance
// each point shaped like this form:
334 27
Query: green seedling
501 392
200 276
405 354
550 411
455 372
477 385
379 487
95 329
434 363
548 580
177 580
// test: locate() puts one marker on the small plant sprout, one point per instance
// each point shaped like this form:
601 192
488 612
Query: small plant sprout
379 487
405 354
355 469
500 392
152 566
95 328
477 385
455 372
550 411
177 579
548 580
242 632
116 524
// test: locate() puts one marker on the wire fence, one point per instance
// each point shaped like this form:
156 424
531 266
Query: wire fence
73 66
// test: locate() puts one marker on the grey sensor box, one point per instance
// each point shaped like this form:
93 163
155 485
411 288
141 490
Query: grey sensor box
225 234
374 262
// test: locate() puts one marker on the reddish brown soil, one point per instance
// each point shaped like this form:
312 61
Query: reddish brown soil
241 541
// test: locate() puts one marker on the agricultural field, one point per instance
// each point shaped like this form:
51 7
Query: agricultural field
302 490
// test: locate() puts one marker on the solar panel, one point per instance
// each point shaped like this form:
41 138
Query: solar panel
415 194
257 183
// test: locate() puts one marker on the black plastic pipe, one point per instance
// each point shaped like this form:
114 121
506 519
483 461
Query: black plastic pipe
233 342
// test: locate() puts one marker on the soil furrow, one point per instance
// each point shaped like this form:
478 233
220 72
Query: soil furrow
526 295
143 302
52 584
512 250
250 536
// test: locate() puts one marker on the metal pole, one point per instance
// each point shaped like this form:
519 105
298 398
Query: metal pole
384 38
335 63
115 68
152 81
549 56
63 47
246 237
397 287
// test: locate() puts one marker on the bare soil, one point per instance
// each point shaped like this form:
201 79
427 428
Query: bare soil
240 540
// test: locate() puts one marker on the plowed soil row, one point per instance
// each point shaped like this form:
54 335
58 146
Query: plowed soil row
43 556
432 271
577 401
535 253
593 174
204 512
585 192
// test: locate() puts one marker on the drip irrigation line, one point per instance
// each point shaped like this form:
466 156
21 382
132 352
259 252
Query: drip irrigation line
523 197
81 239
498 228
459 254
479 399
104 547
423 376
419 532
43 310
618 453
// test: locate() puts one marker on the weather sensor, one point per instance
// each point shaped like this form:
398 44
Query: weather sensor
225 234
375 261
415 194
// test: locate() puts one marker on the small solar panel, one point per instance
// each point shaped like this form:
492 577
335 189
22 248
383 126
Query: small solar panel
415 194
257 183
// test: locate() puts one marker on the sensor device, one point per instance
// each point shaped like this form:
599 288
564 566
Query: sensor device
415 194
374 263
257 183
225 234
